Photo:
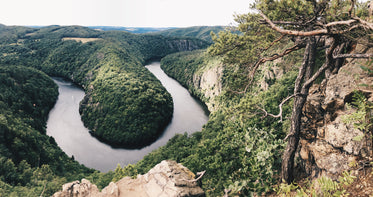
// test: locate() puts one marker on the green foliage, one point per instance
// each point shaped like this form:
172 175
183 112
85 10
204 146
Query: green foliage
125 105
185 66
128 170
361 118
238 148
322 186
120 92
284 189
243 49
201 32
100 179
30 161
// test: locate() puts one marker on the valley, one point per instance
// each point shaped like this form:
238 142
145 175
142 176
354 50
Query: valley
65 126
288 87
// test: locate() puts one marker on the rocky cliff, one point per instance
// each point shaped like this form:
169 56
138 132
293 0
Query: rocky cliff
329 145
168 178
186 44
208 80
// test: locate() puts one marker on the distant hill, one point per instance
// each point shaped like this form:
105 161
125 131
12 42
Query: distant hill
201 32
136 30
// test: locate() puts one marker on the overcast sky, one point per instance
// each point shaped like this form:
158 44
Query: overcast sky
130 13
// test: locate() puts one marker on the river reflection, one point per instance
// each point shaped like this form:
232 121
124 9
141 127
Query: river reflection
65 125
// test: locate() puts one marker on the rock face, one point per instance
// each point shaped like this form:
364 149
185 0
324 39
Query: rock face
209 82
166 179
328 146
186 45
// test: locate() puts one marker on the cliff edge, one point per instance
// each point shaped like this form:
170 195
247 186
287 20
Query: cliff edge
168 178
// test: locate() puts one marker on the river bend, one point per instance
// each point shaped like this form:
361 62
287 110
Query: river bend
65 125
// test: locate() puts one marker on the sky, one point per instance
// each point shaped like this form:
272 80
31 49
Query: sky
128 13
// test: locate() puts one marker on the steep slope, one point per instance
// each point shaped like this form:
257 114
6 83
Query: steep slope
241 149
28 157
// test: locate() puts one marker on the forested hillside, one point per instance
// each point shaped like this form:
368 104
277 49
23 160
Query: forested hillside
201 32
293 117
235 127
291 110
124 105
29 159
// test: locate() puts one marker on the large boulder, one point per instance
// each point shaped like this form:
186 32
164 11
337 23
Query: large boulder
168 178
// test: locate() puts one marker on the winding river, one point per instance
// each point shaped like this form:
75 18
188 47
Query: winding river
65 125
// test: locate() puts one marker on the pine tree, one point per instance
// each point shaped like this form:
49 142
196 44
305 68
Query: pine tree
312 25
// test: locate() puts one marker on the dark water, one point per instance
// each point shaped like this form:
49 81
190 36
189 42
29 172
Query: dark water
65 125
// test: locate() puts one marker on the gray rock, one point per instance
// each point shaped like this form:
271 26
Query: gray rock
327 146
167 179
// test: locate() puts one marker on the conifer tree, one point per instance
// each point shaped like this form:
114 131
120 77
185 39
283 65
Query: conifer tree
333 25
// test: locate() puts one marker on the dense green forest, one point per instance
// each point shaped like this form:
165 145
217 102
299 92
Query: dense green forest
29 159
125 105
221 147
241 147
201 32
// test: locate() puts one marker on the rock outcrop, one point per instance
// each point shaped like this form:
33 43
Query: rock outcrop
208 81
327 146
168 178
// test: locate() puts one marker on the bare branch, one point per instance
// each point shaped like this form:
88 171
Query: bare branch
326 30
290 32
351 8
279 115
369 55
365 24
200 174
277 56
336 23
278 39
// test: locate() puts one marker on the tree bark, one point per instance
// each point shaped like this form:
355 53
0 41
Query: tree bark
301 91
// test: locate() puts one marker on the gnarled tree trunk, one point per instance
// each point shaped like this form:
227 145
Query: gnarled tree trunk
301 93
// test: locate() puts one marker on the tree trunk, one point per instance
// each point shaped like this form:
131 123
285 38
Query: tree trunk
293 139
301 92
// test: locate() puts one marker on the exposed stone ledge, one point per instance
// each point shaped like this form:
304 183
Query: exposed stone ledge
168 178
327 146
